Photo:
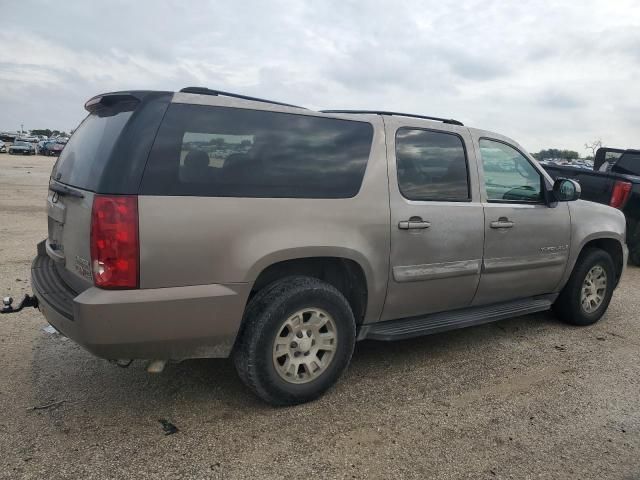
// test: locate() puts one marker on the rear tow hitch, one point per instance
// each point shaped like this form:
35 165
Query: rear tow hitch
27 301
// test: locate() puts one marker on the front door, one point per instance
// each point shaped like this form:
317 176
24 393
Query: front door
437 223
526 242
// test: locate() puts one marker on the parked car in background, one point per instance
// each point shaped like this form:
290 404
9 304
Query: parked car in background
20 147
206 224
8 136
614 180
40 146
3 147
52 148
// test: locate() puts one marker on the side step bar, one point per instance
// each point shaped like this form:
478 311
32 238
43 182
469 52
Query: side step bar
443 321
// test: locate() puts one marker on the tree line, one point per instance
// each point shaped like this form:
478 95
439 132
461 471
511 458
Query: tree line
46 132
556 153
568 154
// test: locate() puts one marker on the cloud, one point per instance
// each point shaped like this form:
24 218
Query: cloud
556 99
549 75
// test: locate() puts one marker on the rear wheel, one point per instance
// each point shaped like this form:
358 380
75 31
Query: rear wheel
297 340
588 292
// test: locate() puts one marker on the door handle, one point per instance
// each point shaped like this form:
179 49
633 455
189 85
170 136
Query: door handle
414 223
502 222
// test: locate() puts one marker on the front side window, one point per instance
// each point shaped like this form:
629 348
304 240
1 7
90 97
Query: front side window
431 165
233 152
508 175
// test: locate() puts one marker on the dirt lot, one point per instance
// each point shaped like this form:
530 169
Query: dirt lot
524 398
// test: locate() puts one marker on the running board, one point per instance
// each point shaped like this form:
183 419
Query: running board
443 321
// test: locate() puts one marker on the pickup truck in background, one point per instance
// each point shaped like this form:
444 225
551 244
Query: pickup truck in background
614 181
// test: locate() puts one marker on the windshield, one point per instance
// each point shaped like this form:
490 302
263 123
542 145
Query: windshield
85 155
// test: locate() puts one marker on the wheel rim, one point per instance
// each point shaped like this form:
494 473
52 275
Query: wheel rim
305 345
594 289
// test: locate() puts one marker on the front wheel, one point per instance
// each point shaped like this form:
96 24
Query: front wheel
298 338
588 292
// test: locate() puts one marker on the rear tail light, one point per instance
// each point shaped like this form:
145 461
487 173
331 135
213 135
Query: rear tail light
620 194
115 248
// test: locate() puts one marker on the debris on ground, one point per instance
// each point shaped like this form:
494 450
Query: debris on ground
168 427
48 405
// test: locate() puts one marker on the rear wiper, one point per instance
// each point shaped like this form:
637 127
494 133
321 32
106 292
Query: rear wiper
64 190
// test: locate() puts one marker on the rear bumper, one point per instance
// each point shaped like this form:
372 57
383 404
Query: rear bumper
168 323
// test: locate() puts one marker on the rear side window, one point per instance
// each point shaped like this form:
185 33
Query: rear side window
85 155
629 164
231 152
431 165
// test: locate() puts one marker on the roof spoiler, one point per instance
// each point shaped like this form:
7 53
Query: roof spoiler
121 101
109 100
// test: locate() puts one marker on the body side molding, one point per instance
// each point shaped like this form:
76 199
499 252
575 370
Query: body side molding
431 271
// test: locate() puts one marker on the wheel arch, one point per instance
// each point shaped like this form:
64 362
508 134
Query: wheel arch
348 275
612 245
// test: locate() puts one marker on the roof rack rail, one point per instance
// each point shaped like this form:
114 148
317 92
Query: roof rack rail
450 121
208 91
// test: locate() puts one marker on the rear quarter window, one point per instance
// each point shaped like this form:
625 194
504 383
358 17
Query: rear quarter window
231 152
629 164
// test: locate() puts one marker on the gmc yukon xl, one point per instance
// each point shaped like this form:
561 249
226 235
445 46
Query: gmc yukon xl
208 224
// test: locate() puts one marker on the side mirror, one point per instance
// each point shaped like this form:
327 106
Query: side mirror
566 190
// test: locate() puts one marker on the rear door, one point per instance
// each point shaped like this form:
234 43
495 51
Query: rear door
526 242
436 218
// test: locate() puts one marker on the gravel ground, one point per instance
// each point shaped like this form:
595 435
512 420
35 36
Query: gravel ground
524 398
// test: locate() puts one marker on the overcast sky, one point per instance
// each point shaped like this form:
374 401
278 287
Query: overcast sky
548 73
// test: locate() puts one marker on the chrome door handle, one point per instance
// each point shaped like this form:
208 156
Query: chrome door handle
502 222
413 225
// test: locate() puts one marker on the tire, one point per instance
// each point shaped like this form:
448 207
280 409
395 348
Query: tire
268 317
569 306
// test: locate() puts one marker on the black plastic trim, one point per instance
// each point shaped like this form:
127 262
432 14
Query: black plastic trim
449 121
49 287
443 321
208 91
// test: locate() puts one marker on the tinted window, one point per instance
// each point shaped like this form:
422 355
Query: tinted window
508 175
629 164
220 151
431 165
84 156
